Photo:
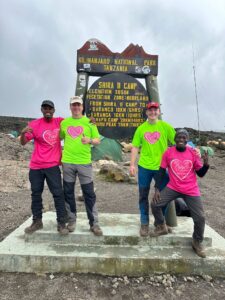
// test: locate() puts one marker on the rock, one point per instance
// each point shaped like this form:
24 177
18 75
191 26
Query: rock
113 292
126 280
178 293
191 279
115 173
103 162
114 280
126 147
126 163
51 276
115 285
207 278
132 180
146 296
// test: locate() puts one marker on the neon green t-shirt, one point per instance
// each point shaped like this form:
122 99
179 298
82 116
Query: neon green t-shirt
153 140
72 130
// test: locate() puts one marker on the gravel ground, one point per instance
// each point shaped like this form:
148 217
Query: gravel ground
111 197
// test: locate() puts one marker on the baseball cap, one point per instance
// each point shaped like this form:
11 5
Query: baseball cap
76 99
152 104
48 102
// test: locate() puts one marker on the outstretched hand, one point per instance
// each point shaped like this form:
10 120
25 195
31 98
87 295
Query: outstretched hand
27 130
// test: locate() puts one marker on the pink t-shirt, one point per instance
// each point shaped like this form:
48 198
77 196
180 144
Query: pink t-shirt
47 147
181 167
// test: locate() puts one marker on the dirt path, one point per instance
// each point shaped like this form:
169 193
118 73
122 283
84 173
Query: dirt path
112 197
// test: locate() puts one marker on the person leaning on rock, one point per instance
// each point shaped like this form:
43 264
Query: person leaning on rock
44 165
152 137
78 135
183 163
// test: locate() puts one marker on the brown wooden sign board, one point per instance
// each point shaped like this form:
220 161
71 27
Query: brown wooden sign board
96 59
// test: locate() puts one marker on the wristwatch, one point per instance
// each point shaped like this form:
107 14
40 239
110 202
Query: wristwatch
90 141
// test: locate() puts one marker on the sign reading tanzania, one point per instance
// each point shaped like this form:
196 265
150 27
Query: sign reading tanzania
117 102
96 59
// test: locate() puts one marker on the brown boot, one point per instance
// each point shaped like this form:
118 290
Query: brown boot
96 230
160 229
144 230
71 226
198 248
36 225
62 229
170 230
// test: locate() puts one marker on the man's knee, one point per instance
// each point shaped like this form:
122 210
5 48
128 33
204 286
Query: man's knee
68 187
143 193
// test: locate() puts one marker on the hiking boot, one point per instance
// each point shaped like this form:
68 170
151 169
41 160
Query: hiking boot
144 230
36 225
198 248
71 226
62 229
160 229
170 230
96 230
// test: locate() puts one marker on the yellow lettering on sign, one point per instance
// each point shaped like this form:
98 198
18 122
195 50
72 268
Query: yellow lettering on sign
130 85
150 62
106 85
114 68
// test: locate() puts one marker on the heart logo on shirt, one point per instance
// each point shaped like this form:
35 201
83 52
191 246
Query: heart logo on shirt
51 136
75 131
181 168
152 137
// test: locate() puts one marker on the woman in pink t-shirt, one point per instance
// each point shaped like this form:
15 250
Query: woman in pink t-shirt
183 163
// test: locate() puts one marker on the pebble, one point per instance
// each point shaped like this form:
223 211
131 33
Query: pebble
115 285
51 276
113 292
146 296
178 292
191 279
207 278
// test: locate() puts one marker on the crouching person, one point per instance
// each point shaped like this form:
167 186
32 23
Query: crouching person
183 163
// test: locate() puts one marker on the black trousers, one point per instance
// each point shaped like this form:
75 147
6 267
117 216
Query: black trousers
53 178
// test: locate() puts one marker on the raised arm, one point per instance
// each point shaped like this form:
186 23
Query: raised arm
23 139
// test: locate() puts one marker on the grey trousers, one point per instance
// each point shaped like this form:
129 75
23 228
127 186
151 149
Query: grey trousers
194 203
84 173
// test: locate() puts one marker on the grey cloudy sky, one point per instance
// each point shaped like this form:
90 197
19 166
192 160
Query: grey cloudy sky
39 39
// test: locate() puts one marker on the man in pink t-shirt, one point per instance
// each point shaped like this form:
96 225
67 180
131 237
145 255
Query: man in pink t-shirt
44 165
183 163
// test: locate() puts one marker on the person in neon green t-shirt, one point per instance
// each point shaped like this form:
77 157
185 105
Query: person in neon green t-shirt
79 134
152 137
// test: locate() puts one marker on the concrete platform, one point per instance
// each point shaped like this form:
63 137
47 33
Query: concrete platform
121 251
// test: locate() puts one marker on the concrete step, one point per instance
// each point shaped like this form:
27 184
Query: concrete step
19 253
118 229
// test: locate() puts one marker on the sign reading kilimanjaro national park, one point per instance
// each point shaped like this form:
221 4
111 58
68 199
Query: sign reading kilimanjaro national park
117 99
